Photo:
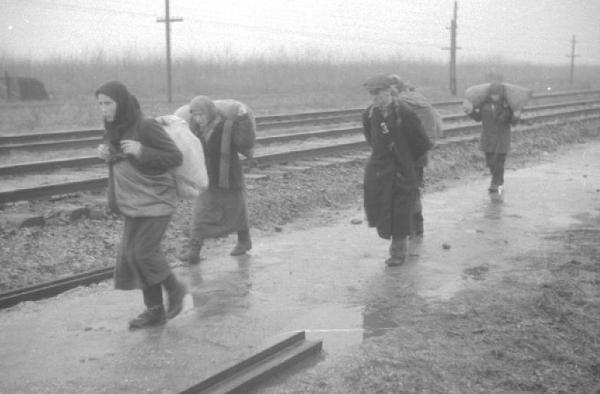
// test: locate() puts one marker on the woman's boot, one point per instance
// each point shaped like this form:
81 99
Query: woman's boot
192 253
398 250
176 291
244 243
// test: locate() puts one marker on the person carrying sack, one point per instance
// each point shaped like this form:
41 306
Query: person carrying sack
496 116
141 187
397 139
220 209
432 122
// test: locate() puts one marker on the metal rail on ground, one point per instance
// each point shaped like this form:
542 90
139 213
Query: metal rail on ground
87 161
263 122
247 374
52 288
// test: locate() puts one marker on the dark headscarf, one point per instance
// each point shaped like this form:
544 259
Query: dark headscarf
128 111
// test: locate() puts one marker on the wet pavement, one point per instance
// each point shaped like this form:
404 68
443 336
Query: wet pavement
319 279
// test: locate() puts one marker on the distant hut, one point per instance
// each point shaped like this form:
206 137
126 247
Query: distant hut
22 89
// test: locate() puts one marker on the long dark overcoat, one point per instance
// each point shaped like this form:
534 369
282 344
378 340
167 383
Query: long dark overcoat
495 119
397 139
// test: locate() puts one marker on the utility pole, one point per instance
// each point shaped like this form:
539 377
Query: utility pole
167 21
453 49
572 56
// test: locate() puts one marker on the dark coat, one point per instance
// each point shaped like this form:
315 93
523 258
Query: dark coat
143 187
144 191
397 140
495 119
212 156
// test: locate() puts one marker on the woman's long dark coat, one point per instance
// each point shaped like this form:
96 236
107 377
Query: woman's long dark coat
397 139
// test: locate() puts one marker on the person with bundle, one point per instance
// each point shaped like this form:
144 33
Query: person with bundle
397 139
221 209
434 128
141 187
496 116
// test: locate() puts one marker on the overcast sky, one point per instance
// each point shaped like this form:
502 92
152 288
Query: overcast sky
526 30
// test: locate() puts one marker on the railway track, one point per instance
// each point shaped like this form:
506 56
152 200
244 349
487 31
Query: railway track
455 134
85 137
351 136
583 107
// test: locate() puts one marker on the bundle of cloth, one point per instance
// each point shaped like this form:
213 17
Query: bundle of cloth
429 116
190 177
516 96
244 129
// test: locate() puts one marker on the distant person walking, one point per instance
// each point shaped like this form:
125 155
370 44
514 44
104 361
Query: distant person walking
139 154
221 209
397 140
496 116
434 128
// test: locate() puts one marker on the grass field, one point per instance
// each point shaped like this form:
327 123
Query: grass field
278 85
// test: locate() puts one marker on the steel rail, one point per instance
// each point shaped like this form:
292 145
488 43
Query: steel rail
86 161
86 142
99 183
266 121
55 287
52 288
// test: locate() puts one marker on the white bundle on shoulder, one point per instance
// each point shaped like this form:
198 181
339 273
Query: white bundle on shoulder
190 176
516 96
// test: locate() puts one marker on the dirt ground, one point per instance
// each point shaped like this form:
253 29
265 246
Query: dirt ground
536 330
62 247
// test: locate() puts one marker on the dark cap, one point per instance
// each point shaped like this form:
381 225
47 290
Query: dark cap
379 81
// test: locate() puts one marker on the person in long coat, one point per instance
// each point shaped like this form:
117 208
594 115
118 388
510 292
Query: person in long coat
397 140
221 209
433 125
140 154
496 117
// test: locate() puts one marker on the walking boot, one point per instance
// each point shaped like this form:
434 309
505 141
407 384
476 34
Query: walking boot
176 291
152 316
418 224
398 250
244 243
192 253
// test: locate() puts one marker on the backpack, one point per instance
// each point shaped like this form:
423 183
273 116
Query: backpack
190 176
430 118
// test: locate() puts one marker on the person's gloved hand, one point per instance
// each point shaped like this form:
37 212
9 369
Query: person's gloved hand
132 147
103 151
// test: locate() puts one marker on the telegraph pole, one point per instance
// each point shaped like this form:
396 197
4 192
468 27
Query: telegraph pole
453 49
572 56
167 21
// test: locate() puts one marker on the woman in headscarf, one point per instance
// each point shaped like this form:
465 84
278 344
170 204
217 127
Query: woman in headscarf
140 154
221 209
496 117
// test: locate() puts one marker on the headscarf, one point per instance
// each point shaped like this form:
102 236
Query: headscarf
128 111
205 105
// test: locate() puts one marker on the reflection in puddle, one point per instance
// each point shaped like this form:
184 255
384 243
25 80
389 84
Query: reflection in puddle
341 326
